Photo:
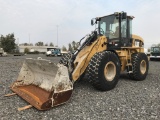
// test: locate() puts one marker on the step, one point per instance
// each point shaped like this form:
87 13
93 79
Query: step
129 64
130 71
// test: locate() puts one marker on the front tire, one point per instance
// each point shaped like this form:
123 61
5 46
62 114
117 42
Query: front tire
65 59
104 70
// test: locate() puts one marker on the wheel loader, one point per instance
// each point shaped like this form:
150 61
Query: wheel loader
102 55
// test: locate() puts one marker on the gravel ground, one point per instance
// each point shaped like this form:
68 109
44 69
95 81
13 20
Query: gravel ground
130 100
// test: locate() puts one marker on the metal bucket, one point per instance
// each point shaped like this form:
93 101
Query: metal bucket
43 84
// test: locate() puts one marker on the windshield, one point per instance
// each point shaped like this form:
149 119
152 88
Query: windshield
110 26
155 49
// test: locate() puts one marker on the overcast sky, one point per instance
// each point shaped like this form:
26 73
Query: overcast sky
39 18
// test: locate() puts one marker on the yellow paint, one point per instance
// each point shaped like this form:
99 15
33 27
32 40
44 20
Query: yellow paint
84 56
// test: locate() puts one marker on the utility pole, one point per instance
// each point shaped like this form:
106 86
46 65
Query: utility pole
29 38
18 41
57 35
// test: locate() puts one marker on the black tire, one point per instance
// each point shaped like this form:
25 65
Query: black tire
65 59
140 66
98 65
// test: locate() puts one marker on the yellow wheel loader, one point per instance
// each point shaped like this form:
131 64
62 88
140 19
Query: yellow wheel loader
109 50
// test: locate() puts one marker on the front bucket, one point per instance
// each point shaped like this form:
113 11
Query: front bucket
43 84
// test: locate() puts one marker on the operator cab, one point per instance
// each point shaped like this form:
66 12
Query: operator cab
117 28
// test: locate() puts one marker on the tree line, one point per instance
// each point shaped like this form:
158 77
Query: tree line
8 44
37 44
71 46
156 45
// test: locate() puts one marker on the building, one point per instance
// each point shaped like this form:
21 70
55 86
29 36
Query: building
35 48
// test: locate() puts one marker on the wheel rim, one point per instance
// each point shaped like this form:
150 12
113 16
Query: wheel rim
110 71
143 66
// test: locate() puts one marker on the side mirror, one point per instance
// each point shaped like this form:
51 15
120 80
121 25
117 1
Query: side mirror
92 22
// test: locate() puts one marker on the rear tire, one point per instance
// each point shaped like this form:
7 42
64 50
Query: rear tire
104 70
140 66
